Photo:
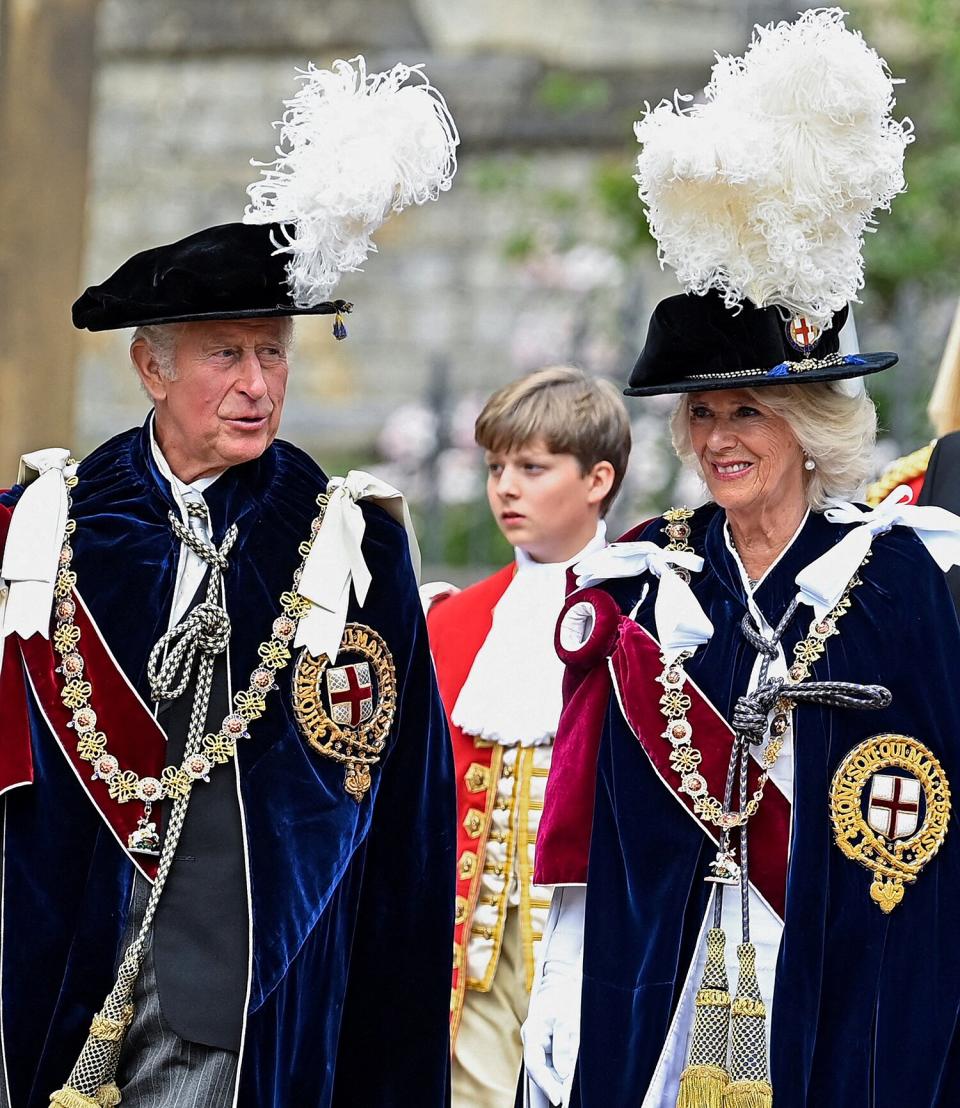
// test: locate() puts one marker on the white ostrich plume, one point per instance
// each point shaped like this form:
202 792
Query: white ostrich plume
764 191
354 147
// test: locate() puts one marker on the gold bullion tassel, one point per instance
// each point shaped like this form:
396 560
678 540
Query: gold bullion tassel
703 1081
70 1098
92 1082
107 1097
750 1085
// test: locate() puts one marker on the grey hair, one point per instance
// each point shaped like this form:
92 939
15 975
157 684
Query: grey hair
835 429
162 340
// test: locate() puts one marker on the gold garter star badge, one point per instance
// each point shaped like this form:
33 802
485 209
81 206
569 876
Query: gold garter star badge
890 806
345 711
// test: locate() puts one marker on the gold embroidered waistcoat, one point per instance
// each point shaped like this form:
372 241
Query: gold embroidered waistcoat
517 782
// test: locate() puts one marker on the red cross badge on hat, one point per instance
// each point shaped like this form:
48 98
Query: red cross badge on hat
802 334
350 693
345 711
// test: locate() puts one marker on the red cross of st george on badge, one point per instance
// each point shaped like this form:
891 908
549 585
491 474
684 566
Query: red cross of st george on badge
345 712
894 805
899 826
351 693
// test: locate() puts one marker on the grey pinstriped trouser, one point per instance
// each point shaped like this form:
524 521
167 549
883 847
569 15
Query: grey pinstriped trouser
158 1069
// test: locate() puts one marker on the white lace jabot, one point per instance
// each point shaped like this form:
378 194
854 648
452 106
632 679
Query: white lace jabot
513 693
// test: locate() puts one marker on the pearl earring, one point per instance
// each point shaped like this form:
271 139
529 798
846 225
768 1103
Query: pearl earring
810 465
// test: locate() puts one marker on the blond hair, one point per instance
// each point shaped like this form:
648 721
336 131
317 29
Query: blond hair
833 428
571 411
944 406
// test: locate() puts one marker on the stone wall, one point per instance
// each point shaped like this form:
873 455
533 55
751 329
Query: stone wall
544 92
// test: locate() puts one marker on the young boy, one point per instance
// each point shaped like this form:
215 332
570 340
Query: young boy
556 446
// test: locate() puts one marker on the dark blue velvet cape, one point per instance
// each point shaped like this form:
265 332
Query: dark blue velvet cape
352 904
866 1005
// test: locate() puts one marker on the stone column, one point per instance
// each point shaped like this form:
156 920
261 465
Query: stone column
46 75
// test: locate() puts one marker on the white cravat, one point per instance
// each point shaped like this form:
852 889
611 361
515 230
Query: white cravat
191 568
513 693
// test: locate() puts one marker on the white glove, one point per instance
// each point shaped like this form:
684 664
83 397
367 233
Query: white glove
551 1032
433 591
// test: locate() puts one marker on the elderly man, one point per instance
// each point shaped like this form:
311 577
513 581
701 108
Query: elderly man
235 815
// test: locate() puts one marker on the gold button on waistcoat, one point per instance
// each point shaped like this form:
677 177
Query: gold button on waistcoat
477 778
461 910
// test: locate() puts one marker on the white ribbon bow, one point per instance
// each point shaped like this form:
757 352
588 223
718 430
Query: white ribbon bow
32 552
336 559
681 623
822 582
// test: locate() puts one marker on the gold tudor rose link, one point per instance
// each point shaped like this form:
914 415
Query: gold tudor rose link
125 785
685 758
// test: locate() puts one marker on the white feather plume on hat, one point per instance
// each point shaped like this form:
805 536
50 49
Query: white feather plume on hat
354 147
765 190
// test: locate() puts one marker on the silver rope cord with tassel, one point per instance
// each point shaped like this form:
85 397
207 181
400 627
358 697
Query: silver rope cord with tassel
203 634
706 1081
750 1085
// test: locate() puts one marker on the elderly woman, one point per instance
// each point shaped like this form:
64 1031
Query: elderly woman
752 772
762 713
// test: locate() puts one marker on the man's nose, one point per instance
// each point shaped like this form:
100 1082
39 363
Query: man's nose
251 380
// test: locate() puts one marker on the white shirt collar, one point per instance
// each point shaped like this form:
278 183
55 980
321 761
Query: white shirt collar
179 488
526 564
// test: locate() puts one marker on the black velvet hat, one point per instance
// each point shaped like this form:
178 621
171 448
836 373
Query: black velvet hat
227 272
695 343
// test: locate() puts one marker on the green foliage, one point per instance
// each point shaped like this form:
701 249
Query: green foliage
616 192
570 94
562 212
560 202
470 536
919 240
340 461
498 173
520 245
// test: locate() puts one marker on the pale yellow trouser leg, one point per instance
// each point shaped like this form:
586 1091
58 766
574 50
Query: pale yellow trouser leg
488 1051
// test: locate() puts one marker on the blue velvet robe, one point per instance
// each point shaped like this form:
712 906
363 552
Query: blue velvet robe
352 905
865 1010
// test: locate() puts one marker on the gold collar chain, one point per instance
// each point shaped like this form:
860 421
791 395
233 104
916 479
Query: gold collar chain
685 758
125 785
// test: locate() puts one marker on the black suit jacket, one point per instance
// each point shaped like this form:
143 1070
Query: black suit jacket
941 486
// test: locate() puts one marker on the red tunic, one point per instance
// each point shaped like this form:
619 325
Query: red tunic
458 626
